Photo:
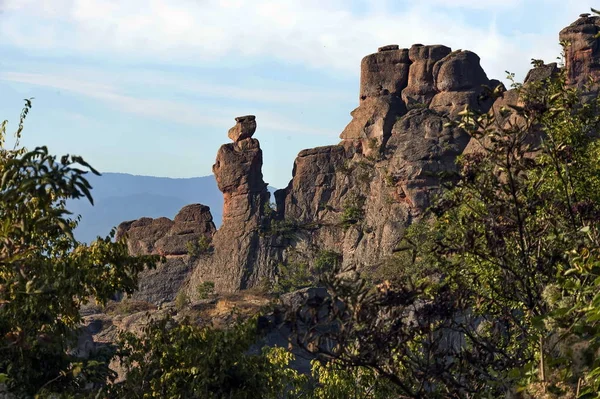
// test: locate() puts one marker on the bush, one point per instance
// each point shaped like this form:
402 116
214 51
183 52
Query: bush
353 211
295 276
201 246
327 261
181 300
292 277
206 289
173 360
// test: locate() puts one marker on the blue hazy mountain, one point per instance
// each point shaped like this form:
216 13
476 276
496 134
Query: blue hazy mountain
119 197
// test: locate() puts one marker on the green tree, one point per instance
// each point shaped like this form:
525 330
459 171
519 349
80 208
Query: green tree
46 275
337 381
180 360
296 275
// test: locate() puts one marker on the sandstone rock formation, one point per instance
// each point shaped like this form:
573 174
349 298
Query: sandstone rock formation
169 238
421 79
459 81
239 259
582 58
357 197
243 129
384 73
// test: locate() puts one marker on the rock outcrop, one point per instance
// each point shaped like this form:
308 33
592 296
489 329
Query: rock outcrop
421 79
582 58
459 81
357 197
163 236
243 129
384 73
172 239
241 256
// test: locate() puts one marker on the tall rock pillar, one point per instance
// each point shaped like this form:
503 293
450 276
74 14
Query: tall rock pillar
238 248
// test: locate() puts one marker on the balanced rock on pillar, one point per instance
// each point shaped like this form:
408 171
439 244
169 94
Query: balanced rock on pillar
244 128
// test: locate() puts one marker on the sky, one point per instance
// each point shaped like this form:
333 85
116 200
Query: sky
151 87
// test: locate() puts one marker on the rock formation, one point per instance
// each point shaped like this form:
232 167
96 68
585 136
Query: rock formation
238 260
582 58
356 197
169 238
243 129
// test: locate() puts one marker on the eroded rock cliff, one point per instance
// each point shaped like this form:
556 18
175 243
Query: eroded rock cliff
355 198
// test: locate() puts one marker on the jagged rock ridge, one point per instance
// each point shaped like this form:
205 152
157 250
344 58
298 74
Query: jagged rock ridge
356 197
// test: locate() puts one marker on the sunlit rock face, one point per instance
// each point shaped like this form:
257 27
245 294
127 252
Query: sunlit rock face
356 197
582 52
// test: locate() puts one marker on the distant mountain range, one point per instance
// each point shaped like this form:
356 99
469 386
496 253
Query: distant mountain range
119 197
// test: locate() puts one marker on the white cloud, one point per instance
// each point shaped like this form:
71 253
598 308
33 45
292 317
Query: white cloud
474 4
313 33
190 114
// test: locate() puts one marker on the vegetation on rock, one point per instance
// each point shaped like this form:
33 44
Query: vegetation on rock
497 289
493 291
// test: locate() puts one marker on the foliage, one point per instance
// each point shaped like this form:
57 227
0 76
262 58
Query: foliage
206 289
199 247
390 180
491 291
291 277
413 262
269 210
346 167
181 300
46 275
353 211
295 276
286 228
173 360
327 261
337 381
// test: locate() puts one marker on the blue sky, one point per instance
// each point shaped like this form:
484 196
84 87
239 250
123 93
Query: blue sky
151 87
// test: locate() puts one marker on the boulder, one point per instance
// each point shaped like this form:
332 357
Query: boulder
421 83
244 128
384 73
169 238
459 71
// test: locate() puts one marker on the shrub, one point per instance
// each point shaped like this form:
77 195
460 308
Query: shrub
46 275
295 276
181 300
201 246
352 212
181 360
327 261
206 289
292 277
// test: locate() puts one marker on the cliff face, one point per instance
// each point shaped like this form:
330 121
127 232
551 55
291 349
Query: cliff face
357 197
171 239
365 191
582 58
